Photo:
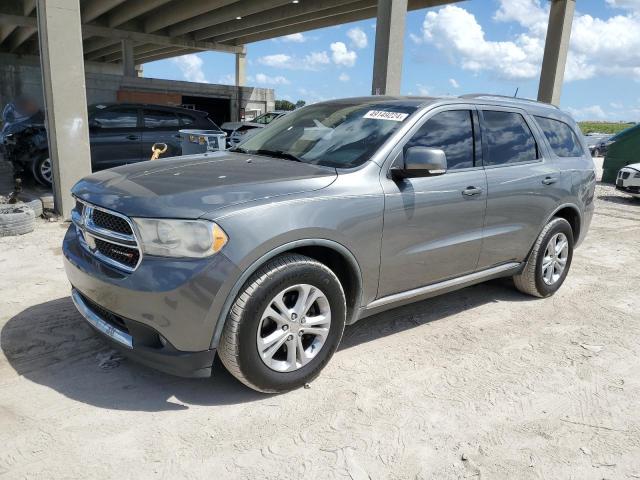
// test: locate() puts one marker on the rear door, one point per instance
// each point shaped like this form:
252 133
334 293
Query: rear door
160 126
115 136
523 184
433 225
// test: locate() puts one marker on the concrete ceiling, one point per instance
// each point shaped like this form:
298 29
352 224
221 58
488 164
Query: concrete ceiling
168 28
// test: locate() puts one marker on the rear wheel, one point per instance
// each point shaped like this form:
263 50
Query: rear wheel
285 325
42 170
549 260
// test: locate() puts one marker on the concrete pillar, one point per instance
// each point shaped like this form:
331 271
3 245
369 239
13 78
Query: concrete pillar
65 96
241 69
555 50
387 59
128 60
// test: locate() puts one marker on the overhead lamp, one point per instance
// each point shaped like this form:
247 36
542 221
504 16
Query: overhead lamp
238 18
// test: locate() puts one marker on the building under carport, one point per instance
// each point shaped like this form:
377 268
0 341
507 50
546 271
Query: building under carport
79 40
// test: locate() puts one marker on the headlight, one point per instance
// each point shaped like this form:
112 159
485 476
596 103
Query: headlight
180 238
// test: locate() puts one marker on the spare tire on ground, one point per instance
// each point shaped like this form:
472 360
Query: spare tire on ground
16 220
28 200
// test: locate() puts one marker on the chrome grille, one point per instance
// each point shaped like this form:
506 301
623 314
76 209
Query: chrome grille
108 235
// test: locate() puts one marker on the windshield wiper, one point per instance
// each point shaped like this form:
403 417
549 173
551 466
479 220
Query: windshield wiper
238 150
278 154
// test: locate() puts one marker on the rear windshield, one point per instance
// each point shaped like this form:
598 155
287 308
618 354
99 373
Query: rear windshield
340 135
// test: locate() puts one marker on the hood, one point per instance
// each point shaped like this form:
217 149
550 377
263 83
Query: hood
231 125
191 186
634 166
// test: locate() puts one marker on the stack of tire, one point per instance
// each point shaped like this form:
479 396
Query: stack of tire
19 218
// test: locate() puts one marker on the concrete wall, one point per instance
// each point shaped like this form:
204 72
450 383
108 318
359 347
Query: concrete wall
20 75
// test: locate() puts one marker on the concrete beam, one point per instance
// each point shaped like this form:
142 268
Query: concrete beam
229 13
241 69
324 19
137 52
132 9
138 37
292 13
94 44
170 53
556 50
65 97
92 9
183 10
21 35
128 60
17 20
387 58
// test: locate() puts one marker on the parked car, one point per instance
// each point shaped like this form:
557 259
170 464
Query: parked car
628 180
623 149
120 134
597 144
340 210
238 131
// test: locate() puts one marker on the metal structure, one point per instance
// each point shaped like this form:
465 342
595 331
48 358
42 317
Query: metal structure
134 32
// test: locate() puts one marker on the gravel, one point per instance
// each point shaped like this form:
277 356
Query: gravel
479 383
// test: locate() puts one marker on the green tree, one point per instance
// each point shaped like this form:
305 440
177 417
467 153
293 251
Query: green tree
300 103
284 105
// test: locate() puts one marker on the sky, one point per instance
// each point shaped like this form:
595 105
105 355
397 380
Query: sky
488 46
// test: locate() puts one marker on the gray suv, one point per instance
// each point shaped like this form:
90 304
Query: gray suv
338 211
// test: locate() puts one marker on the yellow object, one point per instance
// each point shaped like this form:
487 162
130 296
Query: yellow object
219 238
158 149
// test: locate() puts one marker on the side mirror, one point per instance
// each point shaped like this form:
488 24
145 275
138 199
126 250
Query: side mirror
421 162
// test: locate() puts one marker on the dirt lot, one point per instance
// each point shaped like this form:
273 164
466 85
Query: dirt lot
483 382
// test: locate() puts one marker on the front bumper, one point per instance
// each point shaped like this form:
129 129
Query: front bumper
163 314
626 181
154 354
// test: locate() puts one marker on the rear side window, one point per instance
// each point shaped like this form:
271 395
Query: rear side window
561 137
451 132
160 119
509 138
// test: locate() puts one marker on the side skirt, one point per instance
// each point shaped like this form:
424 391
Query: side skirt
428 291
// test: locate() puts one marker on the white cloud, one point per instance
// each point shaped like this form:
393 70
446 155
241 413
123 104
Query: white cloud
454 83
294 37
358 37
423 91
344 77
456 32
312 61
628 4
263 79
227 79
418 40
594 112
191 67
341 55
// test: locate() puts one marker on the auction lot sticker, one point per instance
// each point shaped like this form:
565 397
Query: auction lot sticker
382 115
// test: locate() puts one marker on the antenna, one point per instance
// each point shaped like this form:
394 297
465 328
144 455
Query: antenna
515 95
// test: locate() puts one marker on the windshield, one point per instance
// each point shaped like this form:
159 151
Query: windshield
265 118
341 135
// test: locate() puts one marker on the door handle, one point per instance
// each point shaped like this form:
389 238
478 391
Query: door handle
549 180
132 137
470 191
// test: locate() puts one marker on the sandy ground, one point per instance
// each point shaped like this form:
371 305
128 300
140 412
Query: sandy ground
480 383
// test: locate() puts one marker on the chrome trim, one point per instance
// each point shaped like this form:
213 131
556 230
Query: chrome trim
435 287
97 322
84 225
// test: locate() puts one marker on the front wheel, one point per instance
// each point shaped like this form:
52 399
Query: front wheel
285 325
549 260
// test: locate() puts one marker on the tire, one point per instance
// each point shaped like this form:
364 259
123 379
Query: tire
16 220
34 204
238 348
41 170
534 278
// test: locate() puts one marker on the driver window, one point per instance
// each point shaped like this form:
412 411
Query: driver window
450 131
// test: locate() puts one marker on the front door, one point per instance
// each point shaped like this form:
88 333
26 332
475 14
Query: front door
433 225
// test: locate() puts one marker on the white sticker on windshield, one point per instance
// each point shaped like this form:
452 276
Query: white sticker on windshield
382 115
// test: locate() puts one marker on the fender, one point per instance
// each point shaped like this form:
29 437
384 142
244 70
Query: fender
553 214
222 318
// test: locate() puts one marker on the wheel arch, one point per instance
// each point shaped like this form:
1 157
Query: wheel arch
571 213
334 255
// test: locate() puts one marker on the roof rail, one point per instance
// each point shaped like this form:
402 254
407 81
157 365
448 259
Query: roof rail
489 96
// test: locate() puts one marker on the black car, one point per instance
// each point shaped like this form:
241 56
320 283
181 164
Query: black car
120 134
